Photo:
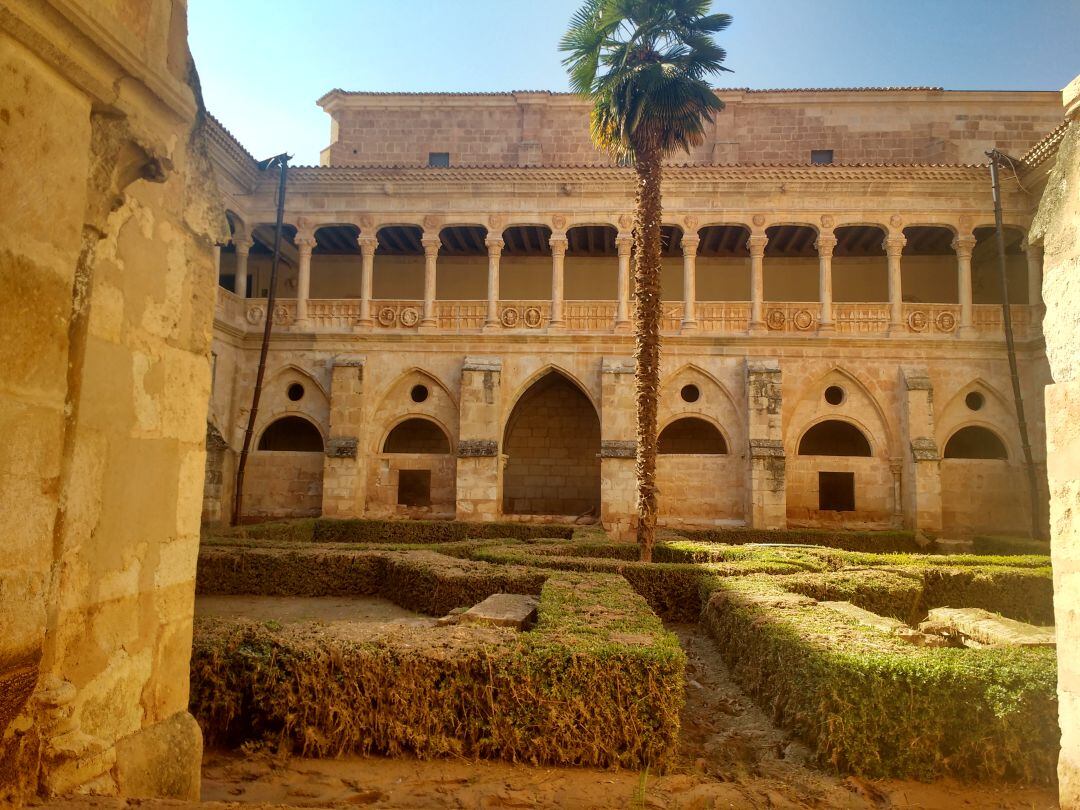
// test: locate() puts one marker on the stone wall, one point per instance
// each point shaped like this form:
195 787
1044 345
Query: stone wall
283 484
871 126
983 496
1058 226
106 262
552 446
700 489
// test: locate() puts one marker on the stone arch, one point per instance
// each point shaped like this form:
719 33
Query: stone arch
835 437
417 434
395 402
285 472
860 406
975 442
692 435
540 373
551 441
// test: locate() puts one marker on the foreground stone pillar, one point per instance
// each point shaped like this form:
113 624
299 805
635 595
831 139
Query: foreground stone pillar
894 248
920 480
305 242
431 262
558 244
1055 226
767 491
1034 255
624 242
618 448
479 464
690 244
368 246
756 245
825 244
217 263
242 243
963 245
494 249
344 492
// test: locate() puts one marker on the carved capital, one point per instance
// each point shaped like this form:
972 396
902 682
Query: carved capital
431 245
690 245
624 243
825 244
963 245
494 245
242 242
894 244
756 245
558 243
367 244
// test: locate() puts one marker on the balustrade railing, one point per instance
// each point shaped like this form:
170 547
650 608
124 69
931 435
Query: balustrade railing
598 317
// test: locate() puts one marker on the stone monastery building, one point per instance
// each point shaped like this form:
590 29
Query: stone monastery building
453 329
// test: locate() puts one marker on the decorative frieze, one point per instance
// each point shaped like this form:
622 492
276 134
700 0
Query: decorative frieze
611 448
477 448
925 449
766 448
342 447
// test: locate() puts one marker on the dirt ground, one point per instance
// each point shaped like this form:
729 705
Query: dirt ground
729 756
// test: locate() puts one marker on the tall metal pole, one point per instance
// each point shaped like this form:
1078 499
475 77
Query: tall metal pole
1018 398
282 162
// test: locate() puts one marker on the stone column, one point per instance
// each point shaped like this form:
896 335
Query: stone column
368 246
242 243
618 447
431 261
756 244
344 491
305 242
558 244
825 244
963 245
689 266
767 478
494 249
894 246
625 244
1034 255
217 263
479 464
920 481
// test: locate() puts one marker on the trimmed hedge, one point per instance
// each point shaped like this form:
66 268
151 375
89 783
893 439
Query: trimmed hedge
879 541
1024 594
989 544
419 580
357 530
598 682
872 705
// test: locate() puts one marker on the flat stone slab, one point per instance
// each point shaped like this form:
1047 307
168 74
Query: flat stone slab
991 629
886 624
503 610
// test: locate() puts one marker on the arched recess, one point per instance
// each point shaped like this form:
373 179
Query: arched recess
981 495
284 475
412 469
691 435
701 488
985 266
838 448
975 442
417 435
552 445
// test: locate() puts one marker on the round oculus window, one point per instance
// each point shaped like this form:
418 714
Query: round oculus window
834 395
295 392
974 401
690 393
419 393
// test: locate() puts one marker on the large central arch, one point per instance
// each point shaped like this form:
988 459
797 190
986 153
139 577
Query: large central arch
552 444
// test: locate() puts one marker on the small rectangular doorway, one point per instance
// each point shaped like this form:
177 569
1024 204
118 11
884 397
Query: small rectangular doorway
836 491
414 488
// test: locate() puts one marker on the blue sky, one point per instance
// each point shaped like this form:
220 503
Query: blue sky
263 63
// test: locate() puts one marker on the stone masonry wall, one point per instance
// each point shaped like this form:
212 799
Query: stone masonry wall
1058 226
283 484
914 126
107 263
552 444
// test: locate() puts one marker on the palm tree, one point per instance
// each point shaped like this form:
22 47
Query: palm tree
644 64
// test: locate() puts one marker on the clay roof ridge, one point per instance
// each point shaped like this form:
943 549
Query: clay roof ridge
459 93
223 130
1046 147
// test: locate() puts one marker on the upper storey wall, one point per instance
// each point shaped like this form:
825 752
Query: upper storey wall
527 129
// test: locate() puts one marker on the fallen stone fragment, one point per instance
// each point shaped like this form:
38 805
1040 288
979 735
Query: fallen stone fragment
503 610
990 629
886 624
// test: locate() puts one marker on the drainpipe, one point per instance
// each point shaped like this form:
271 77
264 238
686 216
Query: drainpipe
282 162
1010 345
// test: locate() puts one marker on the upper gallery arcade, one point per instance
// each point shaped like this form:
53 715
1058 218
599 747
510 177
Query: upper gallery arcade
818 238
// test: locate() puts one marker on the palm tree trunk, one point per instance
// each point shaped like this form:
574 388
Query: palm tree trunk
647 339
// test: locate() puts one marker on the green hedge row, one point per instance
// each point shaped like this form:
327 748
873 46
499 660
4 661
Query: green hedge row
418 580
357 530
879 541
872 705
598 682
